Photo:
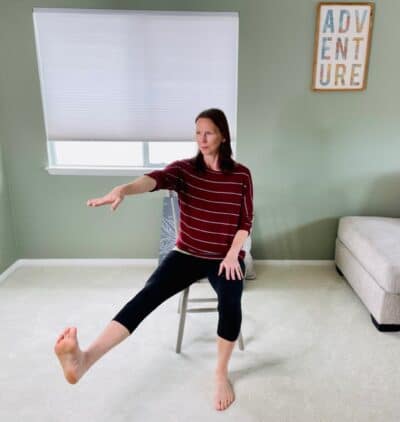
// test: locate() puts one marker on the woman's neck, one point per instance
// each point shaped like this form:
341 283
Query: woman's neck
212 162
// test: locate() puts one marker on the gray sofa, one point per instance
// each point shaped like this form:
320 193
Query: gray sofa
367 254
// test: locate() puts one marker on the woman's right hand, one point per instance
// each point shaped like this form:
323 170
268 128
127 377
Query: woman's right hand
115 197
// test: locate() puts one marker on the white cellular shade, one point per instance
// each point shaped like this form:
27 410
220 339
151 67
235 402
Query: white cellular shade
134 76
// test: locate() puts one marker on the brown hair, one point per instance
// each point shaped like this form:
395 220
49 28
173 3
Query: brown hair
225 161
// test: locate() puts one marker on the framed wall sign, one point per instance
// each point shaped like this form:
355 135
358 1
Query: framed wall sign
341 46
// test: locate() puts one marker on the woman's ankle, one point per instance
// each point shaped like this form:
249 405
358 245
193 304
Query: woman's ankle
87 360
221 373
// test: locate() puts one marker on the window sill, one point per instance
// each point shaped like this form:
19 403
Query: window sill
99 171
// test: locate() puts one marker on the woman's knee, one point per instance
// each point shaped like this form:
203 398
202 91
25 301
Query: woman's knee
229 335
229 303
231 314
229 328
230 319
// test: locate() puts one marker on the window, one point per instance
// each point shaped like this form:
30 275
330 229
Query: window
120 89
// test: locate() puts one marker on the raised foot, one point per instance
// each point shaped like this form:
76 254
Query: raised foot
224 395
70 356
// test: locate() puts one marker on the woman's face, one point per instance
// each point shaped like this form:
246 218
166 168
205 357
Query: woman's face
208 136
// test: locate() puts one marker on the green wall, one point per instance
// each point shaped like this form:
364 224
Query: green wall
7 240
314 156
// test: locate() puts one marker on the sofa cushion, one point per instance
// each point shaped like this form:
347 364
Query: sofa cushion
375 242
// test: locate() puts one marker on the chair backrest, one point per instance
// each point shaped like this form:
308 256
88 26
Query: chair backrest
173 197
169 224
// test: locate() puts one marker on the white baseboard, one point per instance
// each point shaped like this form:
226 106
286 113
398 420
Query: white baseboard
89 262
106 262
9 271
282 262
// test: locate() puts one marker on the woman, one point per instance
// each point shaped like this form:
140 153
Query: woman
216 210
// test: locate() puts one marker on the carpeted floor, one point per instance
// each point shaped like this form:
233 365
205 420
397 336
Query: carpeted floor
311 351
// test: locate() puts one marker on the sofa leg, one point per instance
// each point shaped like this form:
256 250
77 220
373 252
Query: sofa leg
385 327
338 270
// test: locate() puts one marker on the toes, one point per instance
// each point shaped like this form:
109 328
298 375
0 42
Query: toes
62 335
69 332
224 396
224 403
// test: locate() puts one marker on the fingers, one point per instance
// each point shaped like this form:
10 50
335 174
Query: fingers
239 273
96 202
231 272
236 273
115 204
102 201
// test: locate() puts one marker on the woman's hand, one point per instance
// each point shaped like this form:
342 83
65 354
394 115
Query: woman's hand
115 197
232 268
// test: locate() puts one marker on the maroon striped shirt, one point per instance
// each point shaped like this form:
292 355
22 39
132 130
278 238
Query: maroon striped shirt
213 206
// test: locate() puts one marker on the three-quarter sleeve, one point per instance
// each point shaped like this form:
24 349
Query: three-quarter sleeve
168 178
246 210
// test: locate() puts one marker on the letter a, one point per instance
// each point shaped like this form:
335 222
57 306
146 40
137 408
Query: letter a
328 24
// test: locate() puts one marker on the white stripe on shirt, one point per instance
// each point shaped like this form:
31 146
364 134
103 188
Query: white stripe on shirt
207 231
213 202
203 210
203 241
208 221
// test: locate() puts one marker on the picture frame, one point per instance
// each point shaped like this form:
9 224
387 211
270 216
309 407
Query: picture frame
342 45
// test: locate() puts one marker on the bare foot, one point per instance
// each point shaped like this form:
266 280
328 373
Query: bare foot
224 395
70 355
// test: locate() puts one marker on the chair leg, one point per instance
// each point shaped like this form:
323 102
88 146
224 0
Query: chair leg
180 303
182 320
240 341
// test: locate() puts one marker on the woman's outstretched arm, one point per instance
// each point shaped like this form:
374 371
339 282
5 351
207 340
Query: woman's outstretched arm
115 197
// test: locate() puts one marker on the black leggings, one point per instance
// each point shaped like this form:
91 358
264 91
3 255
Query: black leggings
176 272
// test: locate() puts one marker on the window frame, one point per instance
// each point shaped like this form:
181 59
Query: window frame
55 169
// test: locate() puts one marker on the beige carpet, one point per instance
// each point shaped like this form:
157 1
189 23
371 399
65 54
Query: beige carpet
311 351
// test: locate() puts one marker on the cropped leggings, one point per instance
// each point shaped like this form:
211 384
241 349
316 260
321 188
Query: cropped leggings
177 272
